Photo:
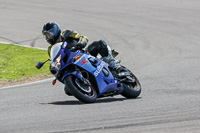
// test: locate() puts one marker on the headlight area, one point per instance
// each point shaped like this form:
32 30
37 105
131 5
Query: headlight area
56 63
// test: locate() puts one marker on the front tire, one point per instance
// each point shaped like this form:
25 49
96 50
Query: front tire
86 94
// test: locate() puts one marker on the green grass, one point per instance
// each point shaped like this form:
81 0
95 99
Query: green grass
17 62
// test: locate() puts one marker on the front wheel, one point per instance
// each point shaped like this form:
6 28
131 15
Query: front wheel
84 93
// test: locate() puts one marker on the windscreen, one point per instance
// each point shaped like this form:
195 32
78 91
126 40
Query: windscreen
55 49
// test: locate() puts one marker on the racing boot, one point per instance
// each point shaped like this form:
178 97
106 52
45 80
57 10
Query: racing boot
109 59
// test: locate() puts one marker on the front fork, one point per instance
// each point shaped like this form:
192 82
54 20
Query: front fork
83 79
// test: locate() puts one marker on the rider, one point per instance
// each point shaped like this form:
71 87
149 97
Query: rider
52 33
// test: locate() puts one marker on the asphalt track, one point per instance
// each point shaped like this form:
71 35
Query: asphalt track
158 40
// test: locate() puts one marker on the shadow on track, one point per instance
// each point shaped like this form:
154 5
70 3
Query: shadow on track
103 100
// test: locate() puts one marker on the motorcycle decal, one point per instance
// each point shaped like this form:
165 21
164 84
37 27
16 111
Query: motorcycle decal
83 62
77 61
99 68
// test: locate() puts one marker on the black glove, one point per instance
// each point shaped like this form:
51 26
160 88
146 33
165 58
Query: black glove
80 45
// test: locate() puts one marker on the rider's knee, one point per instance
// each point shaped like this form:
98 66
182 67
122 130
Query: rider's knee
98 47
93 49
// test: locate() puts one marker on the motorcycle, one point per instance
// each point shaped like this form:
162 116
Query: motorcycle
87 77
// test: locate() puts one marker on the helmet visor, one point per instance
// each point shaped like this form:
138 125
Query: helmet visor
48 35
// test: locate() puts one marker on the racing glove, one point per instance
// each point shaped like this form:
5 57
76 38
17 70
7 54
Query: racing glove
80 45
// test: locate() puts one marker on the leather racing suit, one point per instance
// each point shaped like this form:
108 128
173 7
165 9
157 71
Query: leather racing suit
74 39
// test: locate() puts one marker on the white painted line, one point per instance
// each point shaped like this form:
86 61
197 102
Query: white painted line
23 45
30 83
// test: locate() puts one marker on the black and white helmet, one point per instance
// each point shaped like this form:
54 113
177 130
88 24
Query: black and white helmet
51 32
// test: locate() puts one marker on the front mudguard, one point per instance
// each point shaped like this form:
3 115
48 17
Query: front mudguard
75 73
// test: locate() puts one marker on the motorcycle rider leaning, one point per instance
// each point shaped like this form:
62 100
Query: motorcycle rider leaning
52 33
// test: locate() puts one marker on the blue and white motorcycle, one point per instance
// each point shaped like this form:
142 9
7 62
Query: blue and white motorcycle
88 78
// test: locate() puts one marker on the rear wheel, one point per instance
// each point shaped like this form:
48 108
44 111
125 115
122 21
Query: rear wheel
83 92
132 87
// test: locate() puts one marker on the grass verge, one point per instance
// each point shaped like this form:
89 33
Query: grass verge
17 64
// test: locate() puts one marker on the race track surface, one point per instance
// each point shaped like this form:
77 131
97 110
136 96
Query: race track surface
158 40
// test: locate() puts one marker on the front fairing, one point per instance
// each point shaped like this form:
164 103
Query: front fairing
104 82
61 57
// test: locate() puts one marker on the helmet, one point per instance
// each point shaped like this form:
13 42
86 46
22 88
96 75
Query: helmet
51 32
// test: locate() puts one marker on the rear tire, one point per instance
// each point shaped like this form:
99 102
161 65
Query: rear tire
85 96
132 90
132 87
